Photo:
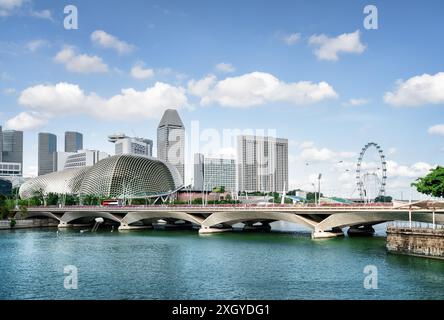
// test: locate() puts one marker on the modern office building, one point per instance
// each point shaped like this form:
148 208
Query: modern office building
131 145
211 172
82 158
262 163
120 176
47 147
11 153
171 140
73 141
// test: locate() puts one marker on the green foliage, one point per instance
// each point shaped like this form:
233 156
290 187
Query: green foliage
383 199
220 189
52 199
12 223
4 212
311 196
432 184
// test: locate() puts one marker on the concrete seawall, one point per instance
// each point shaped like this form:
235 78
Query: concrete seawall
28 224
422 242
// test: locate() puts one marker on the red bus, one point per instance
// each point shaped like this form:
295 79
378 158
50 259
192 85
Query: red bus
112 202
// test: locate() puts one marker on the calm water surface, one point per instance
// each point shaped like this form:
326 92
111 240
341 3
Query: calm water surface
184 265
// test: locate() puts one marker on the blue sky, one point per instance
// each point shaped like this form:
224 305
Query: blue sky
308 69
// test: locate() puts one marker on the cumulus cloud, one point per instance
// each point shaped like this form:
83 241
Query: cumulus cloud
43 14
7 7
80 63
108 41
139 72
291 39
355 102
26 121
437 129
225 67
67 99
323 154
415 170
258 88
418 91
329 48
36 44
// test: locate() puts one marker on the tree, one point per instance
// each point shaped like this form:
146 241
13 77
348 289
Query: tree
432 184
383 199
311 196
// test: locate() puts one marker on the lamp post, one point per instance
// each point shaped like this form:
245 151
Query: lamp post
319 188
315 200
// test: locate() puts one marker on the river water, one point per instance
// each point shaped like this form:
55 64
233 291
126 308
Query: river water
154 264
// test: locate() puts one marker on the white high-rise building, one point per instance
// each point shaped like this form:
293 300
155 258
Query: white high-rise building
82 158
211 172
129 145
262 163
171 140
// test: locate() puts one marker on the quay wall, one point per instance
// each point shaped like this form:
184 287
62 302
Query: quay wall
422 242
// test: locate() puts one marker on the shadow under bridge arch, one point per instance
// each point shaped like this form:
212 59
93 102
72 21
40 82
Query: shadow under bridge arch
234 217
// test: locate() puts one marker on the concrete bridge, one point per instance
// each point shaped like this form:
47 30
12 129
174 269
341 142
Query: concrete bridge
323 221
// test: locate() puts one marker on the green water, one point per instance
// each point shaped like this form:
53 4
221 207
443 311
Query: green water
184 265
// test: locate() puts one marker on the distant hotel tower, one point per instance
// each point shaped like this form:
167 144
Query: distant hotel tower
73 141
171 140
263 164
47 149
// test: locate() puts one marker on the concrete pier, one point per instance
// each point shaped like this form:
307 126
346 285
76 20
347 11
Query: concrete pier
422 242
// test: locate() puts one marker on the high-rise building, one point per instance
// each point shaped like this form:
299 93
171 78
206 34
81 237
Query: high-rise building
171 140
12 147
82 158
211 172
262 163
129 145
47 149
1 144
73 141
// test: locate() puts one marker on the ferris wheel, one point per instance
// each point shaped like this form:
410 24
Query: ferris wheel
377 173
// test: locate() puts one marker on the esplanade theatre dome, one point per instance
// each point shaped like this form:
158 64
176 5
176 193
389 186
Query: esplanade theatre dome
128 176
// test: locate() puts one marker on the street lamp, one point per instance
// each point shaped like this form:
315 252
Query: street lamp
315 200
319 188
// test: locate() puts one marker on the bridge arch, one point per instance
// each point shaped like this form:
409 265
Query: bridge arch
68 217
347 219
133 217
240 217
40 214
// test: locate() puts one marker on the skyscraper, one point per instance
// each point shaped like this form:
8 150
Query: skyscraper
171 140
73 141
263 163
12 146
129 145
211 172
47 149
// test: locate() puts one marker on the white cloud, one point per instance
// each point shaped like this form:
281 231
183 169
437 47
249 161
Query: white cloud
26 121
291 39
323 154
306 144
225 67
416 170
437 129
36 44
417 91
43 14
329 48
67 99
258 88
8 6
355 102
138 71
80 63
9 91
108 41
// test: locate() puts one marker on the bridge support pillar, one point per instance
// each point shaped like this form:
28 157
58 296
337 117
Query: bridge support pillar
63 224
321 234
125 227
209 230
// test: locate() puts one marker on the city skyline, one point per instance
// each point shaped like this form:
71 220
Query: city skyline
355 95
